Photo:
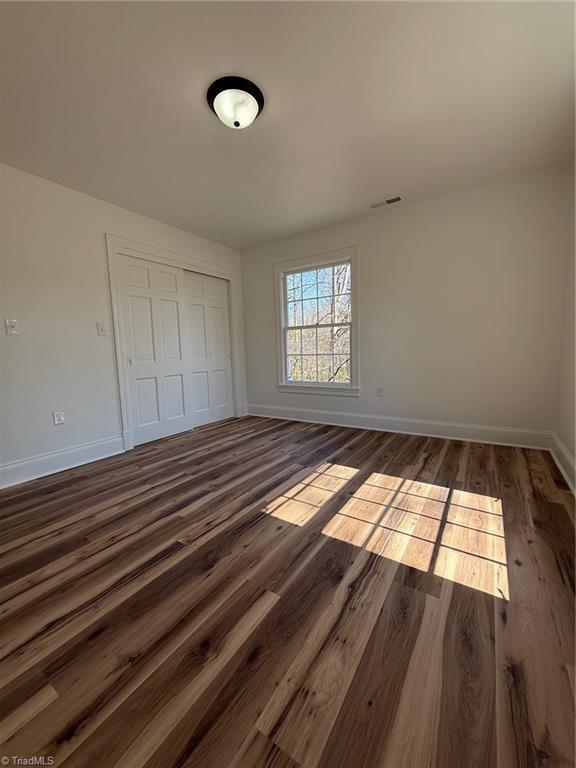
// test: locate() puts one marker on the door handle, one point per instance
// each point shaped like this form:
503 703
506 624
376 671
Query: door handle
129 361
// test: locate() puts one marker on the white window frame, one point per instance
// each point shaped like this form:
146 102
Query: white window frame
328 258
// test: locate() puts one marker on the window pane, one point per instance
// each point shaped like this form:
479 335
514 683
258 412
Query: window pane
293 287
309 284
293 342
325 343
309 368
343 309
294 368
294 314
310 311
342 278
342 341
309 341
341 369
325 277
325 367
326 310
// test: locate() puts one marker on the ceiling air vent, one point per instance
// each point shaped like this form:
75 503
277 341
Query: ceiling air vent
386 202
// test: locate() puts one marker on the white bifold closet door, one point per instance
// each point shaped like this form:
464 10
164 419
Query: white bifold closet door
177 345
209 324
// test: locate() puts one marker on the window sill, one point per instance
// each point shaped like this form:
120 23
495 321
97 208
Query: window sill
320 389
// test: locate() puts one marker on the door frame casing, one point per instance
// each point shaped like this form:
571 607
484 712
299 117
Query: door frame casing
117 248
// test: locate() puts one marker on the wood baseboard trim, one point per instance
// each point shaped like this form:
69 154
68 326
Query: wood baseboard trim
48 463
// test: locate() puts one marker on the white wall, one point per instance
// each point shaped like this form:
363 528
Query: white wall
55 283
459 310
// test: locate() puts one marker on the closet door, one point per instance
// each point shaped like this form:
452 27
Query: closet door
211 365
157 344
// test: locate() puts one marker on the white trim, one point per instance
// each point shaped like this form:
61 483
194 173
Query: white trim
44 464
349 253
320 389
55 461
162 255
477 433
565 461
117 248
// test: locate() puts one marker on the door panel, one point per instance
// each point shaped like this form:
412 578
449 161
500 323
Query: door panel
136 276
207 304
164 280
170 323
174 396
141 328
216 289
201 391
197 331
220 388
148 404
218 324
158 367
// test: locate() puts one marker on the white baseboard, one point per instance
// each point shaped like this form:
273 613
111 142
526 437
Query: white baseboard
241 409
565 461
476 433
55 461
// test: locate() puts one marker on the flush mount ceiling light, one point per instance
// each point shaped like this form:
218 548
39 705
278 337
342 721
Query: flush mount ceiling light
235 100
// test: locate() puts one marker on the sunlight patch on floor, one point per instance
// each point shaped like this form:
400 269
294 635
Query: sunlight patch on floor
299 504
476 572
453 534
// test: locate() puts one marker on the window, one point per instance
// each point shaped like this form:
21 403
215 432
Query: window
317 326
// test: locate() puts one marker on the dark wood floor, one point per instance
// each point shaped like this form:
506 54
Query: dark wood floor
269 593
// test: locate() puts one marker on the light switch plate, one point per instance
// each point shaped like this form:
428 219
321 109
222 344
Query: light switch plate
12 328
58 417
101 328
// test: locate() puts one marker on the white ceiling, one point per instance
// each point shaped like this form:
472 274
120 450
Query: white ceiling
364 101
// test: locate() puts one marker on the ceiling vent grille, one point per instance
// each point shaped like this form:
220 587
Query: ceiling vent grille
386 202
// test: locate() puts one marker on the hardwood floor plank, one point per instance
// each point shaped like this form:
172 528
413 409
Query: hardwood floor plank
104 672
214 732
300 715
366 716
23 714
261 752
467 717
414 735
157 710
260 592
535 721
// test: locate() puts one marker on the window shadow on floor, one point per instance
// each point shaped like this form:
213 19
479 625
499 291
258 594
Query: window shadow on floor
441 531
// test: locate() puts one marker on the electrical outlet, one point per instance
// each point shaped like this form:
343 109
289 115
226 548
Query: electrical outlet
101 328
12 328
379 390
58 417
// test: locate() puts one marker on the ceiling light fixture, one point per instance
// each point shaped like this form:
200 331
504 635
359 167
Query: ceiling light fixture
235 100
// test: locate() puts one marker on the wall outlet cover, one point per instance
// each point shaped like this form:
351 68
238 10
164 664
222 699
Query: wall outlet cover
58 417
12 327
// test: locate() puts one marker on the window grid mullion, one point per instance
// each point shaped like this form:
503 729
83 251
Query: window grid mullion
316 325
316 339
